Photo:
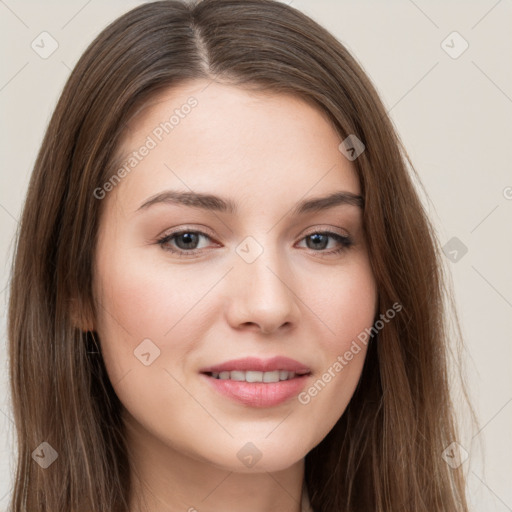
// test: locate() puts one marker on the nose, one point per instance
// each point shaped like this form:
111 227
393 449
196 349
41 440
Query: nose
262 295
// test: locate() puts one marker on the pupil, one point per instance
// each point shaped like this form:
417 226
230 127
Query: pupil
189 238
318 238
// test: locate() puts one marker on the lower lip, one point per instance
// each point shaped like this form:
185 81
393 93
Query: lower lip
259 394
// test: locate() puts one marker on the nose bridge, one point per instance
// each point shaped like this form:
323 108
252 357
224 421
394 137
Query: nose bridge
262 291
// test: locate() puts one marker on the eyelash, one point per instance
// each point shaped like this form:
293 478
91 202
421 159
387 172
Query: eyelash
345 241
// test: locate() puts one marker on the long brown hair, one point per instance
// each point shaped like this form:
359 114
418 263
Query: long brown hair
384 454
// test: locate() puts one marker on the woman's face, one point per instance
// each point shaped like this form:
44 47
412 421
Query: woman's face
200 298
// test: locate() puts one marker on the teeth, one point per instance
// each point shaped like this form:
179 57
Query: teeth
236 375
254 376
271 376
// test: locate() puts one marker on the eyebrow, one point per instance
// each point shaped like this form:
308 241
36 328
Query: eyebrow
219 204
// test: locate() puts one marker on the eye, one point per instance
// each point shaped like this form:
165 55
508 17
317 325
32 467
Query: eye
318 241
185 243
185 240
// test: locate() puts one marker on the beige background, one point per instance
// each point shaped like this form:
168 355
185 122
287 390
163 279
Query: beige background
453 114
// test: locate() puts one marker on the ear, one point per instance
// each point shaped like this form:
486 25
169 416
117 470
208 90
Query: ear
81 318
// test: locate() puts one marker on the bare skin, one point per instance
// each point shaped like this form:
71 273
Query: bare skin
298 298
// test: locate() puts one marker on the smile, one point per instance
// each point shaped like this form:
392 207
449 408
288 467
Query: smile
257 382
254 376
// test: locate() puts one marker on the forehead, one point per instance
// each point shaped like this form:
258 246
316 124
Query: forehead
206 136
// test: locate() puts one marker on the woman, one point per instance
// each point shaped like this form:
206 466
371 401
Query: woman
226 294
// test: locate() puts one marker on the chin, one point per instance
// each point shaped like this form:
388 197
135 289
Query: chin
259 455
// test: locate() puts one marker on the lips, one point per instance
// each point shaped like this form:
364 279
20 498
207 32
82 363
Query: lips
258 382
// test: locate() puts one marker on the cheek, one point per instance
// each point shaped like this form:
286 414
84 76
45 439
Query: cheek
349 311
145 329
139 303
346 305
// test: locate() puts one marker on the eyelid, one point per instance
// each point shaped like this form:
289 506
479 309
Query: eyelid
326 228
198 228
167 235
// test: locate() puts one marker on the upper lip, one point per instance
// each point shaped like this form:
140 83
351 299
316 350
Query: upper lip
257 364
